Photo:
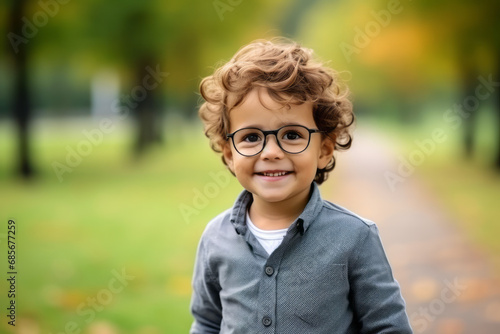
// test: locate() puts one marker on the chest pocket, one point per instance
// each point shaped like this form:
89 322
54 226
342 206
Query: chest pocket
315 293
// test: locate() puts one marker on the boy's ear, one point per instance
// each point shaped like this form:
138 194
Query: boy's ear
228 156
326 152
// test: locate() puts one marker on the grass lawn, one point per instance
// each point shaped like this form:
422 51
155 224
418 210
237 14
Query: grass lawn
114 243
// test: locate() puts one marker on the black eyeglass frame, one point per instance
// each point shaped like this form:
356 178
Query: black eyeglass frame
275 133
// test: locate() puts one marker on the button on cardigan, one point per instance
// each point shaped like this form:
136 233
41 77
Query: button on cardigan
329 275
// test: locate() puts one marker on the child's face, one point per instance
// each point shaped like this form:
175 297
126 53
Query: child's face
300 168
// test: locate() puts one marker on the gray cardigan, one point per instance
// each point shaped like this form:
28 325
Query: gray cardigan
330 275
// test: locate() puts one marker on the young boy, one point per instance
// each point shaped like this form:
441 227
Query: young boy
282 260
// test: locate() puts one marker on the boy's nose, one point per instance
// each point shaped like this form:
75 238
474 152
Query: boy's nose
272 150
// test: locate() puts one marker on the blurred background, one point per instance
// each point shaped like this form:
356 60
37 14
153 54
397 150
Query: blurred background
106 172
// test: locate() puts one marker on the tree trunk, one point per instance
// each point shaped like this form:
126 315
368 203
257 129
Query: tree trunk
148 120
497 107
469 81
21 106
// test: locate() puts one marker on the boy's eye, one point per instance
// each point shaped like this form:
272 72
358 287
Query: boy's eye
292 135
251 137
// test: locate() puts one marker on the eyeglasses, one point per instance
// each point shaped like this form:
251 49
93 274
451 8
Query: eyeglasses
292 139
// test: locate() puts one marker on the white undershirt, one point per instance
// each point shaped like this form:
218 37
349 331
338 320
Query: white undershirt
269 239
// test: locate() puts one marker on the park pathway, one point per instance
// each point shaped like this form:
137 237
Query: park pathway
448 284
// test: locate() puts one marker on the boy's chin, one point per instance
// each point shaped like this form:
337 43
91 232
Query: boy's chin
273 196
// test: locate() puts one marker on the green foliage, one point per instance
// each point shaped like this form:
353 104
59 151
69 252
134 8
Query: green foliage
185 38
411 56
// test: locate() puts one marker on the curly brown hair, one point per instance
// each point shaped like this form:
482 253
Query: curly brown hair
291 76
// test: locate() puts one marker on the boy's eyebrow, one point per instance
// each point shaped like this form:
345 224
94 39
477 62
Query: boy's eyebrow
287 123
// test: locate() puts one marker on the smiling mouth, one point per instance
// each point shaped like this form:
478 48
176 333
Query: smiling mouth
274 174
